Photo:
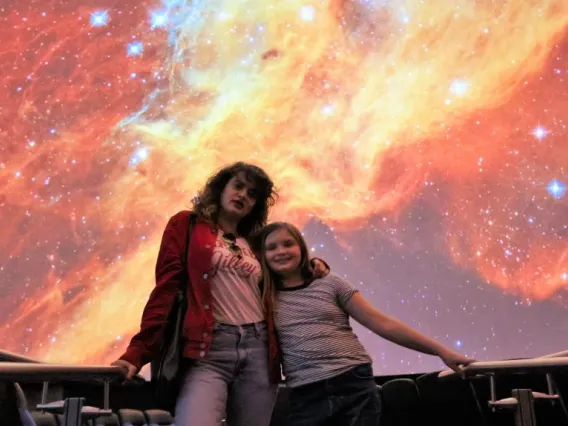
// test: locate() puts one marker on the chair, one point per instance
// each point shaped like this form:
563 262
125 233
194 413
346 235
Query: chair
158 418
111 420
130 417
400 403
450 402
44 419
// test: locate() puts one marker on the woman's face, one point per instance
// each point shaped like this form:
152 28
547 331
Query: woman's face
282 252
239 196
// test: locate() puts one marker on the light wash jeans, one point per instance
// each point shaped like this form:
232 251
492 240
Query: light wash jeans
231 382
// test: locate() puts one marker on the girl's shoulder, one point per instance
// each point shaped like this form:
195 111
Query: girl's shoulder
331 280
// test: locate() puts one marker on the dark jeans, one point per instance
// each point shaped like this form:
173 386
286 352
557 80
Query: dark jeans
350 399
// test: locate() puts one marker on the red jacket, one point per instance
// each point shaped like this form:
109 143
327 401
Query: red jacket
198 324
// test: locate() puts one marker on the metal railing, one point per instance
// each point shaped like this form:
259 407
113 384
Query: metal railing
521 400
533 365
26 372
73 409
556 355
6 356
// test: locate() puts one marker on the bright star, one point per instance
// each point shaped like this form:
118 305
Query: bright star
557 189
158 19
327 110
135 48
459 87
307 13
540 132
99 18
140 155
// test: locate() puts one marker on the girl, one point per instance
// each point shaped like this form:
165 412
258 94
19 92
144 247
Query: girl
233 356
326 367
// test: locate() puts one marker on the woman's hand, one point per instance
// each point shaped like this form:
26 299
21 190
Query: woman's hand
320 268
129 370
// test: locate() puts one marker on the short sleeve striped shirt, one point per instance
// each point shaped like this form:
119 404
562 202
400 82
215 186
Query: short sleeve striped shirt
314 332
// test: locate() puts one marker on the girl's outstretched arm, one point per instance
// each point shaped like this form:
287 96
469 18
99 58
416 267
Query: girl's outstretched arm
397 332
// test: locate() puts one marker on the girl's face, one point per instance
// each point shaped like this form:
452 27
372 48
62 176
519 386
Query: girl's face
282 252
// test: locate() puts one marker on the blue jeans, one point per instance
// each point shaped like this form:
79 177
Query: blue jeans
26 417
231 382
350 399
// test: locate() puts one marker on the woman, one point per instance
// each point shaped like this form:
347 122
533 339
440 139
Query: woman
326 367
233 360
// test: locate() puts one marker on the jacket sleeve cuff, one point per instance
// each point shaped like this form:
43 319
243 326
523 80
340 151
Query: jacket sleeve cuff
134 356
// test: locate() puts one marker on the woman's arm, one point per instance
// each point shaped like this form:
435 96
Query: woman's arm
170 274
397 332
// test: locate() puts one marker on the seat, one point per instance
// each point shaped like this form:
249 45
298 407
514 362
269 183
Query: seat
130 417
111 420
88 412
400 403
158 418
450 402
44 419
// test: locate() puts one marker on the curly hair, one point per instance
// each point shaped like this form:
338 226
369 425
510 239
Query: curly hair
207 203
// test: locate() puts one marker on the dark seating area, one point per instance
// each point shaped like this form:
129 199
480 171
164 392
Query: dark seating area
406 401
124 417
526 392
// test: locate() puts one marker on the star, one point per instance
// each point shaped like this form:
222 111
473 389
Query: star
540 132
135 48
158 19
99 18
557 189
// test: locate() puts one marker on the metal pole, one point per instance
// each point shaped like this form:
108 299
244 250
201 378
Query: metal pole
106 396
44 390
524 414
72 412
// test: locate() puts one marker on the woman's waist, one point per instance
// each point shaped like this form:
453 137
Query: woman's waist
260 326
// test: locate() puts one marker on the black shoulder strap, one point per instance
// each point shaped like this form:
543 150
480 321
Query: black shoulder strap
191 220
187 237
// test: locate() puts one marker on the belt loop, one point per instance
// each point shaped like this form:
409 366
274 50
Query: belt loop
257 329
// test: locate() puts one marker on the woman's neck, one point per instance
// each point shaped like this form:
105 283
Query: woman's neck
227 224
293 280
